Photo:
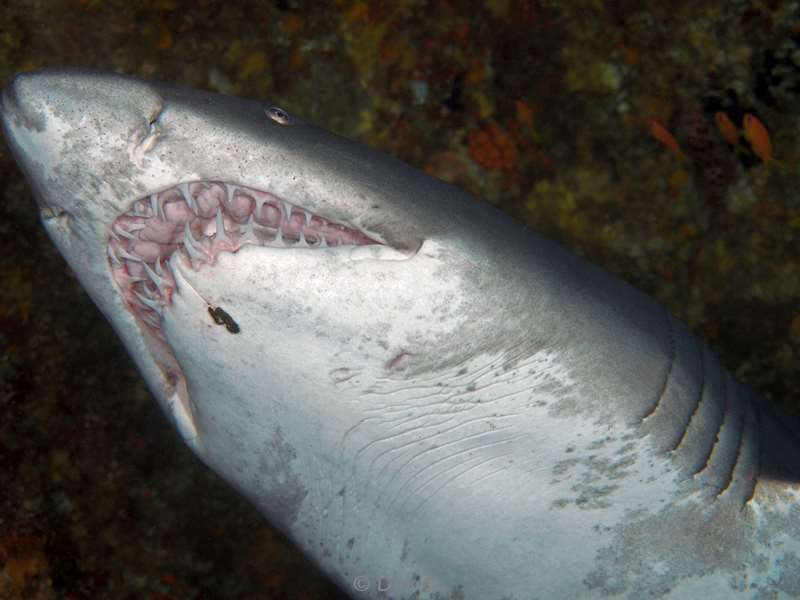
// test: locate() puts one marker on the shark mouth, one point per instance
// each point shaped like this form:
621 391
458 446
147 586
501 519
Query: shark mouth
201 219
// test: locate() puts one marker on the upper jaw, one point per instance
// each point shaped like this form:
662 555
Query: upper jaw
198 220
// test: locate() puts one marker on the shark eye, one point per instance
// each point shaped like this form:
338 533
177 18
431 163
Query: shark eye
277 114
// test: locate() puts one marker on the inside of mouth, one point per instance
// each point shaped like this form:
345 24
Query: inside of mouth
200 219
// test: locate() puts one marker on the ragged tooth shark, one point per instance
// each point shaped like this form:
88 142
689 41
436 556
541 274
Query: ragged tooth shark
429 399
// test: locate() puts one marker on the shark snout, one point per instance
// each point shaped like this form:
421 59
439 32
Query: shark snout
22 119
22 103
8 99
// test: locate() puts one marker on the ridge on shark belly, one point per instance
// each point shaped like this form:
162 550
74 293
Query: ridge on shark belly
430 400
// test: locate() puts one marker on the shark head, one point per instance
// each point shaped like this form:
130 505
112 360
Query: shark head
131 176
290 297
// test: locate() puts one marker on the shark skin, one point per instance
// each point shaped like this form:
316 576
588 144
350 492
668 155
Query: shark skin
430 400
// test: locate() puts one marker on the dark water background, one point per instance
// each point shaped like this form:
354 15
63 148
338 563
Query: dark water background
542 107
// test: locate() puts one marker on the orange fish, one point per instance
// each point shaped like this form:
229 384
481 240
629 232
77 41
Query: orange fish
661 134
729 131
756 133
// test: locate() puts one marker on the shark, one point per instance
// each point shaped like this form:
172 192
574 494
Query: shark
428 398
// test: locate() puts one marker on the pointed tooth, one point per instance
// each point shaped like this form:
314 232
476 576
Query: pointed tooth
165 272
187 195
128 256
150 290
260 200
189 243
134 302
302 240
230 190
151 320
115 262
149 302
323 243
220 235
160 282
279 238
249 233
119 230
307 216
157 205
287 210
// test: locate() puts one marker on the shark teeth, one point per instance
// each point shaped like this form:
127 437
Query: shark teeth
287 211
220 237
202 219
192 249
187 196
113 258
161 283
123 232
128 256
157 206
249 235
149 303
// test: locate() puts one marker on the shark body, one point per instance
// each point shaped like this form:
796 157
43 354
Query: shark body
429 399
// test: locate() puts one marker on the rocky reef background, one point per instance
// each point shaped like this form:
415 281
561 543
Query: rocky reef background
540 107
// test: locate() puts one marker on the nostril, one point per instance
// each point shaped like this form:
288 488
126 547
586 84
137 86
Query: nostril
153 123
48 213
148 142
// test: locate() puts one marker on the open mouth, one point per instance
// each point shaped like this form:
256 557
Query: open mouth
200 219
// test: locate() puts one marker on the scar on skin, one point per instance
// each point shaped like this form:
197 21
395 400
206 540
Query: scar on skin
399 361
222 318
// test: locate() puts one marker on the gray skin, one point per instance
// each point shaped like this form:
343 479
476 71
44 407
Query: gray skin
467 411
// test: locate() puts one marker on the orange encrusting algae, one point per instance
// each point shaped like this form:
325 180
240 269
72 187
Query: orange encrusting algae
492 148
